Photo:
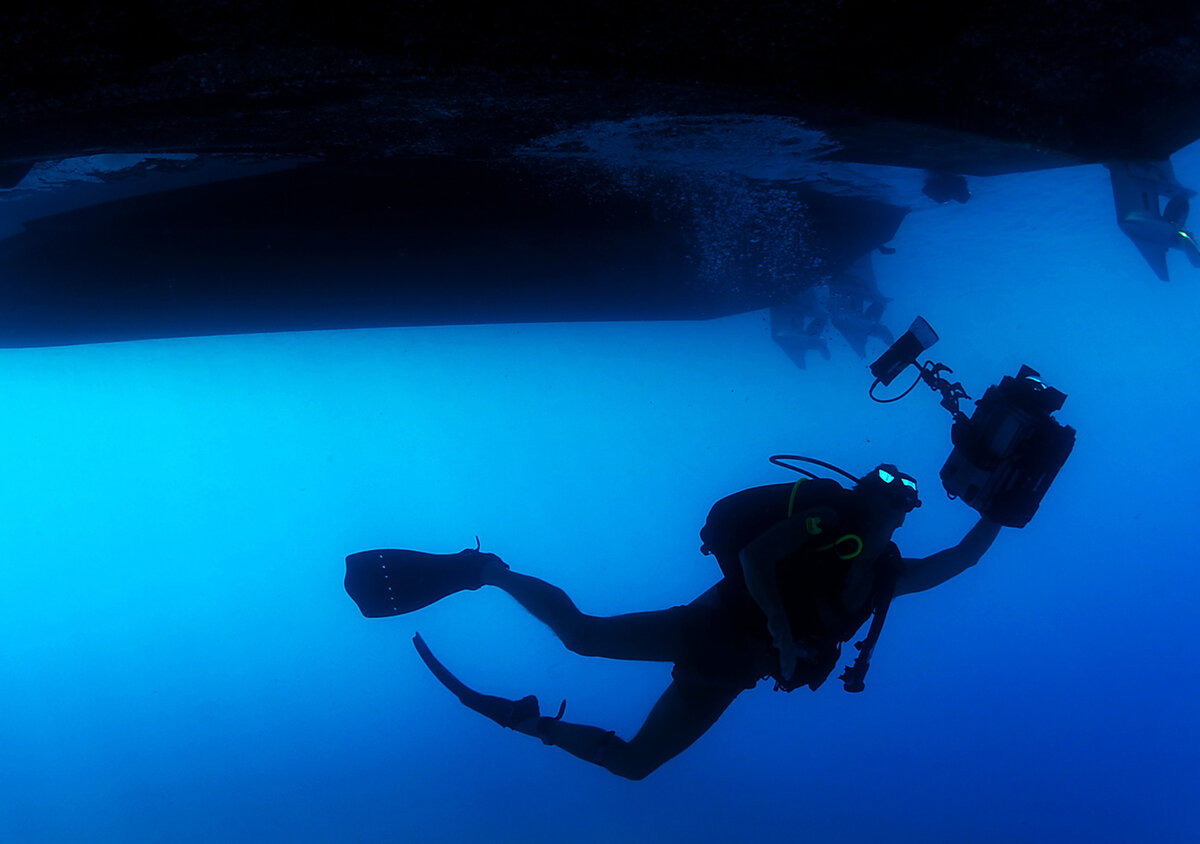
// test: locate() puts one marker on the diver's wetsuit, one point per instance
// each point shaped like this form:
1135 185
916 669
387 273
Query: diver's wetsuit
715 657
720 647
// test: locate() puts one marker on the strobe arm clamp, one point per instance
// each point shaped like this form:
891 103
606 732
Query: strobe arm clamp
952 393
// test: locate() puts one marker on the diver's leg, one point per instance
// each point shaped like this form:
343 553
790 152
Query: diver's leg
651 636
673 725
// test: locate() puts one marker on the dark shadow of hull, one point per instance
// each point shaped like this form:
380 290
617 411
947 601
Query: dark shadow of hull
418 242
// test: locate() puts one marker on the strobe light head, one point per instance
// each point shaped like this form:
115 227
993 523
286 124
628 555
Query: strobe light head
904 352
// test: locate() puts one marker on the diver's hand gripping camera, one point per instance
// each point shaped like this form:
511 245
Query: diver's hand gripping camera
1007 453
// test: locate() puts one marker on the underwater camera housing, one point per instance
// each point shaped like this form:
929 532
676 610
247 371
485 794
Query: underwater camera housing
1008 452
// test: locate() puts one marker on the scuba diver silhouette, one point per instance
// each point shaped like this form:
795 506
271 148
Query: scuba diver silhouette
805 565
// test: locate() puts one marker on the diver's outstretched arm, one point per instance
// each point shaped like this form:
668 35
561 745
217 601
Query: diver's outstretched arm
928 572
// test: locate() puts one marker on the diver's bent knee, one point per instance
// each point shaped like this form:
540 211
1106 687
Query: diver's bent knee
633 769
637 774
581 636
626 759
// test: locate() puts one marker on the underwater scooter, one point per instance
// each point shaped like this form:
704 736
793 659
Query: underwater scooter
1008 452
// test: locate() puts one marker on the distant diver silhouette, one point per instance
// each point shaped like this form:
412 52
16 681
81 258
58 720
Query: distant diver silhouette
805 565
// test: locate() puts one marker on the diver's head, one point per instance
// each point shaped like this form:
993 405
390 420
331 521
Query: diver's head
888 485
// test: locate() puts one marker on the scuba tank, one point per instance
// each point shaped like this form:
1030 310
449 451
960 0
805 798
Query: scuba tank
738 519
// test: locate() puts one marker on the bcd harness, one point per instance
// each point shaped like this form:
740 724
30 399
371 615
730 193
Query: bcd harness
738 519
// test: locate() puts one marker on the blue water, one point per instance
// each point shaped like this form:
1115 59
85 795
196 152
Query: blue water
181 663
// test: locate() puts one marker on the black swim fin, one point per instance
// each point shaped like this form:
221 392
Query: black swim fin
388 581
520 715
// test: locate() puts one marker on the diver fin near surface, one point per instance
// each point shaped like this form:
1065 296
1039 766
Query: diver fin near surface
520 715
387 581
